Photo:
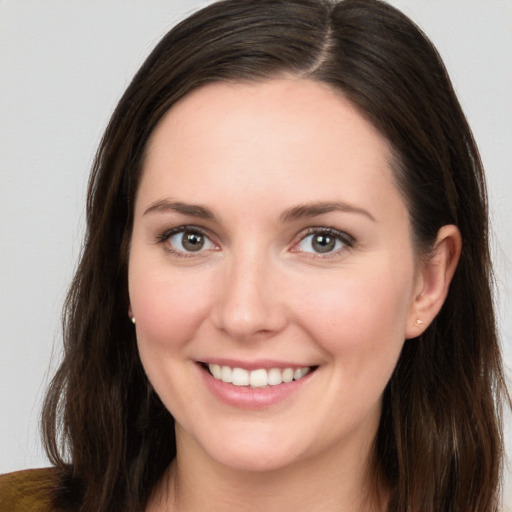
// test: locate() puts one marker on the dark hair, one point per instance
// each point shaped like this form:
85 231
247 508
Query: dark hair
439 443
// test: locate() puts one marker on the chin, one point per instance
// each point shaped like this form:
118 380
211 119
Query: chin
254 460
250 451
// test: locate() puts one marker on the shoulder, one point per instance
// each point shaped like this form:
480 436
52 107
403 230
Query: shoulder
30 490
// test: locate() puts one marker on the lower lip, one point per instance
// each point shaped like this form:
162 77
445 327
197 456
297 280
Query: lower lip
252 398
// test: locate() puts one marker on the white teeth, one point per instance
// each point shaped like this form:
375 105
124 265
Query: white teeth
225 374
257 378
287 375
216 371
299 373
274 377
240 377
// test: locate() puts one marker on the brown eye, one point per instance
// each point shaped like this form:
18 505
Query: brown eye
186 241
323 243
192 241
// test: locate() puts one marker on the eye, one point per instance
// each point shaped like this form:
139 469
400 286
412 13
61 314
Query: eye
185 241
324 241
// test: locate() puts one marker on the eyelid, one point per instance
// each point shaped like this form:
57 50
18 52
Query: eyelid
346 239
168 233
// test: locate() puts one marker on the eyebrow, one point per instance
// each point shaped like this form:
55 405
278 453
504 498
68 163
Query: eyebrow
194 210
314 209
289 215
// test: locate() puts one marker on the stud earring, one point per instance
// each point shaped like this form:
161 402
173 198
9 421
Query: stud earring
133 320
419 322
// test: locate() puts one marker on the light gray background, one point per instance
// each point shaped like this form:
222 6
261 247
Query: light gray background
64 65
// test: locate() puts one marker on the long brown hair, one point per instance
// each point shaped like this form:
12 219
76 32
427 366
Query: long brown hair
439 444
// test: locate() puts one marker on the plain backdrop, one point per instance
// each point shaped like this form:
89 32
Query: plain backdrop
64 65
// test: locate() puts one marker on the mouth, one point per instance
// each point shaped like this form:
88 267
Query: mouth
257 378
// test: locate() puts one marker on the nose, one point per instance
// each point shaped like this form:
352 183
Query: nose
249 302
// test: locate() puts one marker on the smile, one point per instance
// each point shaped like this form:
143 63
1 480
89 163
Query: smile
257 378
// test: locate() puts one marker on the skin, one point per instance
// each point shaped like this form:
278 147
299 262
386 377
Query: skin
250 153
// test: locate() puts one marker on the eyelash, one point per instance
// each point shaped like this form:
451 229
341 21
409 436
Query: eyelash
346 240
168 234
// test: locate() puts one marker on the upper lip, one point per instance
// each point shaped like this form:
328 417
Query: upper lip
255 364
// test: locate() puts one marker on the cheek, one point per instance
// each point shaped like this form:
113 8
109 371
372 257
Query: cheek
165 324
168 306
360 326
361 316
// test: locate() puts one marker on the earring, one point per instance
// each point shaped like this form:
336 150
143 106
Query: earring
133 320
419 322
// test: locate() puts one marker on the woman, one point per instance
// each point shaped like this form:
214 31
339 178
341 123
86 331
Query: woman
286 192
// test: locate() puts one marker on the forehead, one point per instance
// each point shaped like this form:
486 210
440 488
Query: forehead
293 109
298 136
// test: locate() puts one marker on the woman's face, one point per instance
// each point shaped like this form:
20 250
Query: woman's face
270 243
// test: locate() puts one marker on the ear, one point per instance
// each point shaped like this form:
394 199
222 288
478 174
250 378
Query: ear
433 281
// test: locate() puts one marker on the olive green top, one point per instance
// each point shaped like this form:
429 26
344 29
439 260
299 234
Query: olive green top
28 491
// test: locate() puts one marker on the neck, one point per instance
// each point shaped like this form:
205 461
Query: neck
329 483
